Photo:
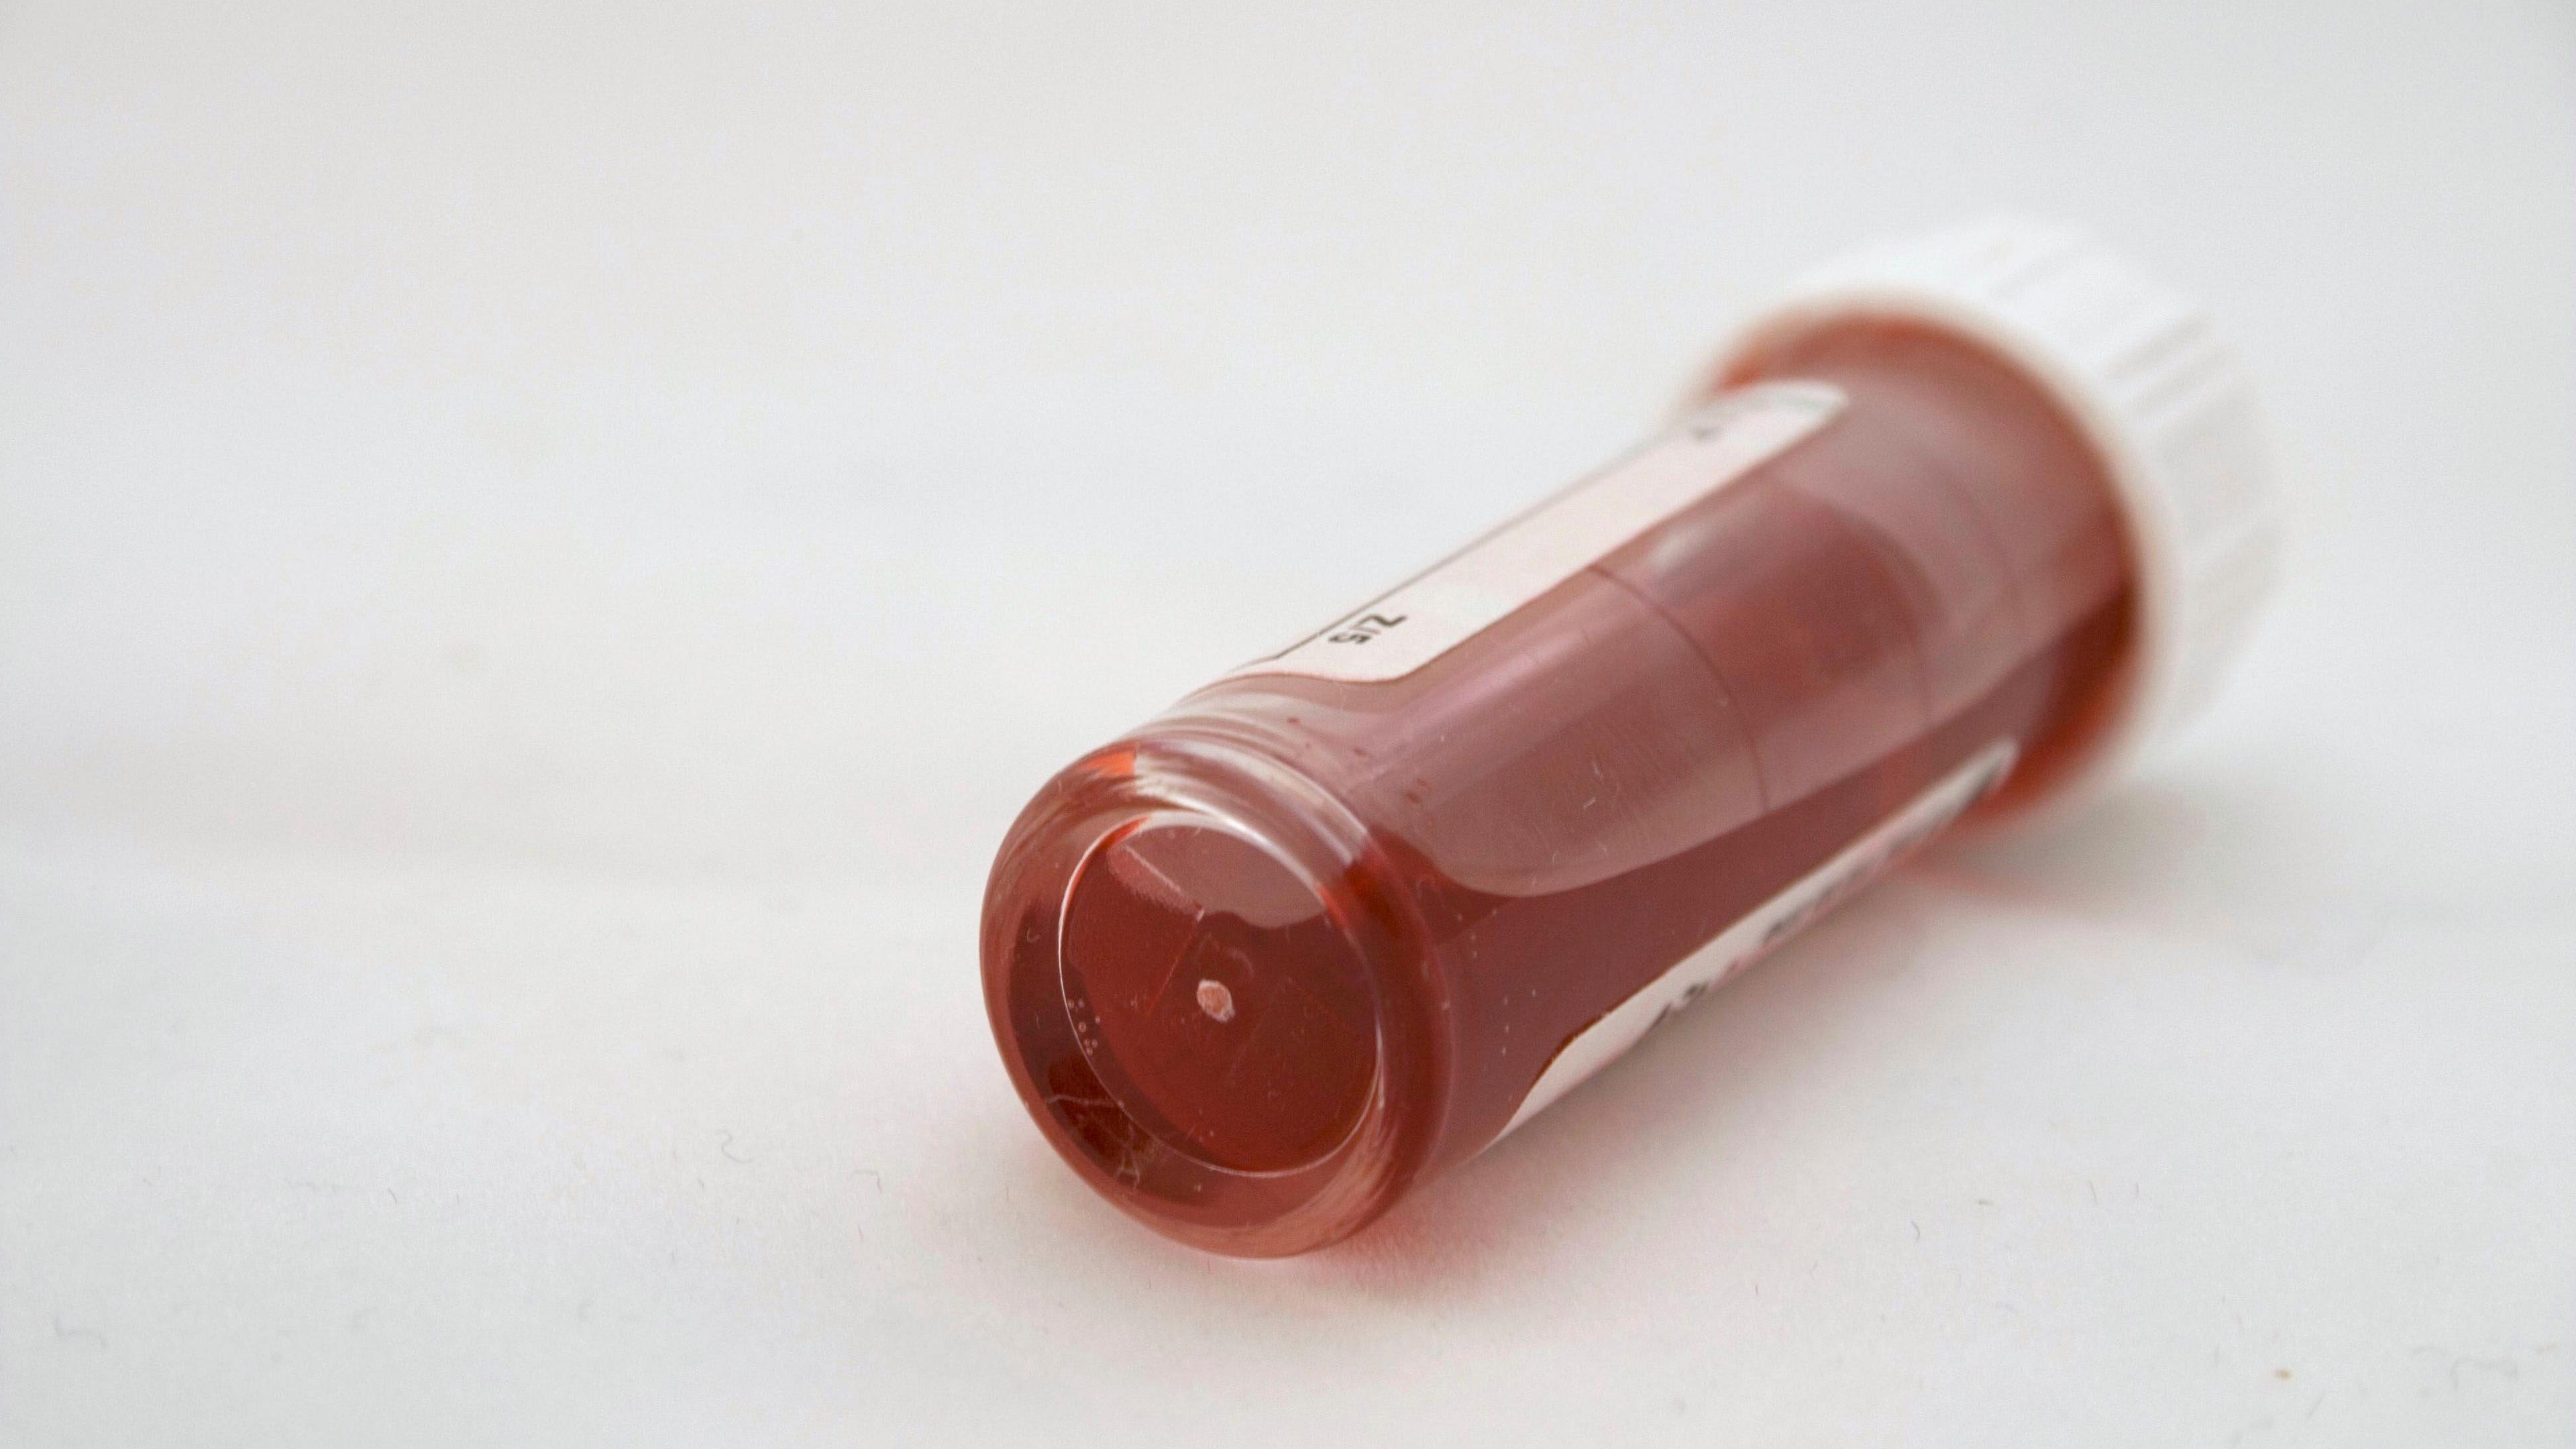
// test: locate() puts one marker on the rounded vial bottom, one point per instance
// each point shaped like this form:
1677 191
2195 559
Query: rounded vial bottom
1215 999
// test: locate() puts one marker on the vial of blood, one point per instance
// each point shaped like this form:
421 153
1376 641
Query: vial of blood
1945 533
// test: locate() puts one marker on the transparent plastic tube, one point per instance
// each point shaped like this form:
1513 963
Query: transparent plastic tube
1339 920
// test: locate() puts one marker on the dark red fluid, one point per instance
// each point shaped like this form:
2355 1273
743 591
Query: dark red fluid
1297 943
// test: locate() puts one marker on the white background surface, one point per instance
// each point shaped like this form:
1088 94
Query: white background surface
540 547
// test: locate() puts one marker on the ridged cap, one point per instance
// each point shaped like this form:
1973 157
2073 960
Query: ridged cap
2142 370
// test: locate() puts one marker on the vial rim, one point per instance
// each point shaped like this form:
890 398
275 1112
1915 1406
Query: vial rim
1251 795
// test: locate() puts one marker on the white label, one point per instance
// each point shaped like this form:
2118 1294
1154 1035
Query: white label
1768 924
1399 632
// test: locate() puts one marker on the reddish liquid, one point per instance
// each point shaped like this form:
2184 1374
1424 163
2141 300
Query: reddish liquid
1297 943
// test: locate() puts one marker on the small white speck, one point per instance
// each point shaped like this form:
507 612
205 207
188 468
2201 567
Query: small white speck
1215 1000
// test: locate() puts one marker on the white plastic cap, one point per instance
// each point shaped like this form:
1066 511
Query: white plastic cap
2142 371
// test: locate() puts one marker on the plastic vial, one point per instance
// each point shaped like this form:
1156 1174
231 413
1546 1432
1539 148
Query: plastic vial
1945 533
